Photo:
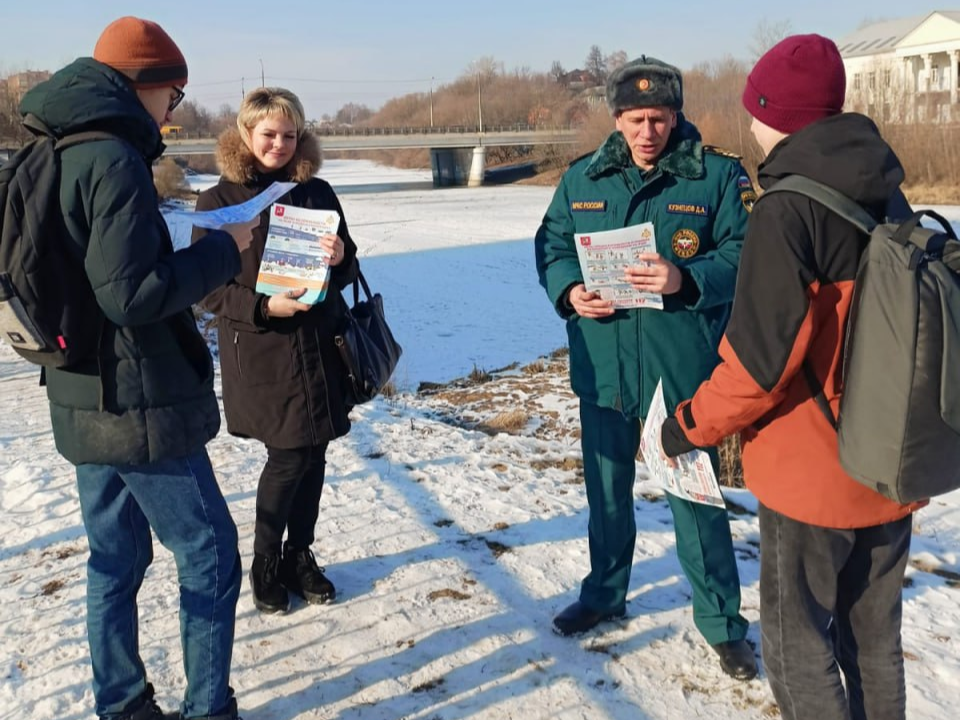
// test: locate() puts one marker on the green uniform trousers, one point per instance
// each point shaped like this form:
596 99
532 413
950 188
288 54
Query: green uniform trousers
610 443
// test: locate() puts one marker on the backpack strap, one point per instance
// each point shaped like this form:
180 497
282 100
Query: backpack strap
833 200
39 128
82 137
852 212
36 126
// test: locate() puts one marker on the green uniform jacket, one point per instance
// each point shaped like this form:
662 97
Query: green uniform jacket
697 200
148 393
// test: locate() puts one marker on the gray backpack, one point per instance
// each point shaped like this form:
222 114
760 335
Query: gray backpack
899 420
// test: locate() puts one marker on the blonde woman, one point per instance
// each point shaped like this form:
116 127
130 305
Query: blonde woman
282 377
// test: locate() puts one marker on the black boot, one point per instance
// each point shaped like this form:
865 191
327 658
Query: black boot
578 618
737 659
145 708
299 572
269 595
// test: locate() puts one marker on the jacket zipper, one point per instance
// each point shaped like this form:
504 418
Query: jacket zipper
306 390
326 385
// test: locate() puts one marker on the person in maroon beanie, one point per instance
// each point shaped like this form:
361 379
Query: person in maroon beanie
833 552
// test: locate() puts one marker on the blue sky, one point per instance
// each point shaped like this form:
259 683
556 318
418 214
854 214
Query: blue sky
366 51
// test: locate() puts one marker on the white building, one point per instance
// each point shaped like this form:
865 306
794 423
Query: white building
905 69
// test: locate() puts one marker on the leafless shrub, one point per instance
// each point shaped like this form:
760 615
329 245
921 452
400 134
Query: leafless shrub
169 180
478 376
731 471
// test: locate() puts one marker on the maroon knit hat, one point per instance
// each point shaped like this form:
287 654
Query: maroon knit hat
798 81
142 50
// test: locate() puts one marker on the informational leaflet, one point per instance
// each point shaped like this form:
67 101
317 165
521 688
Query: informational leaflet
293 257
693 478
604 257
182 222
244 212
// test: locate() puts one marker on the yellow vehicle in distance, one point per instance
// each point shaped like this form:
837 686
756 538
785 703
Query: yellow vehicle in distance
171 131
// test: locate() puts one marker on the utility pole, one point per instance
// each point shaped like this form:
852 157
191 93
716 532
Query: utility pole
243 93
479 103
262 81
431 102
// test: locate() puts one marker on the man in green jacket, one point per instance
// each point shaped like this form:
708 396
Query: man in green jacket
653 168
135 417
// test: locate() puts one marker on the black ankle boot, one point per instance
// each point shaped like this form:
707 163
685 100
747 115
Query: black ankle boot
145 708
737 659
269 595
299 572
578 618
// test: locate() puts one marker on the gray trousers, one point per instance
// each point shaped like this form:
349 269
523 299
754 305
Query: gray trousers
830 605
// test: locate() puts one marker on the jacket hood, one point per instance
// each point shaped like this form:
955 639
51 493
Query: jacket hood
843 151
682 156
237 164
88 95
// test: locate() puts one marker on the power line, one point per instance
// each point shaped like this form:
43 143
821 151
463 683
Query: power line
324 80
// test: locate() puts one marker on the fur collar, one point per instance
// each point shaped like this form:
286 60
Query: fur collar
683 155
237 163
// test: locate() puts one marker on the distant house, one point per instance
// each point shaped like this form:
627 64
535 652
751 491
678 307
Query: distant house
580 80
905 69
18 84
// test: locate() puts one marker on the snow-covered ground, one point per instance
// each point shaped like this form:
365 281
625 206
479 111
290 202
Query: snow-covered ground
451 548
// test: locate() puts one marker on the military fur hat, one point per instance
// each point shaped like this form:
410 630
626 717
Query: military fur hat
644 82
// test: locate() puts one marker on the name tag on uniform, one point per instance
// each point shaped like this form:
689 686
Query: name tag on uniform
588 205
688 209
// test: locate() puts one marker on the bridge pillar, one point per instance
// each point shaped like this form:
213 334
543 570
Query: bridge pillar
477 167
451 166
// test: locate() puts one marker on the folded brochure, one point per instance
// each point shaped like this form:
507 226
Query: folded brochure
293 257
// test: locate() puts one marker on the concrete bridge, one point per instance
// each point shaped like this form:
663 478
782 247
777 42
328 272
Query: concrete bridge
457 154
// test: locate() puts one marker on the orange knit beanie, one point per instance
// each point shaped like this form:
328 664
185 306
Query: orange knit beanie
141 50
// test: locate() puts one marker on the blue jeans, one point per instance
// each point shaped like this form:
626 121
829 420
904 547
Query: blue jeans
181 501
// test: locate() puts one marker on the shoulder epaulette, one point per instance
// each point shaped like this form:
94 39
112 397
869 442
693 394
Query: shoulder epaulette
714 150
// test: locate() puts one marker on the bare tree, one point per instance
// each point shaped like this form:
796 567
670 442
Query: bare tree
486 67
193 117
615 60
352 113
556 71
766 34
595 64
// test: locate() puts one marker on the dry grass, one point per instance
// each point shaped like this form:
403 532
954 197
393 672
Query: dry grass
535 368
447 593
731 471
923 195
478 376
389 390
511 421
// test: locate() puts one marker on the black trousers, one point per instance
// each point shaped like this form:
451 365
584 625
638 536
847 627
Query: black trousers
288 498
830 606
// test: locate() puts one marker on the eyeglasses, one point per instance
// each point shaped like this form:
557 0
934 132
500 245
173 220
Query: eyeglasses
177 99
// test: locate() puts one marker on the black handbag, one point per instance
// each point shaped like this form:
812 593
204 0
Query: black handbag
368 348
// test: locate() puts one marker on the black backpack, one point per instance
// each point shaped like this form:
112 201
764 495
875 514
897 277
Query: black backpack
48 312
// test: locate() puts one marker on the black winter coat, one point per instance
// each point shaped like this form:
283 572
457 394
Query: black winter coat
148 394
283 380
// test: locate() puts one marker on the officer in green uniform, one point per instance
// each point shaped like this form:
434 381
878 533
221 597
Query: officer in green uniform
653 168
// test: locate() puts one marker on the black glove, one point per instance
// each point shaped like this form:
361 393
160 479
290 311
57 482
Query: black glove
673 440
